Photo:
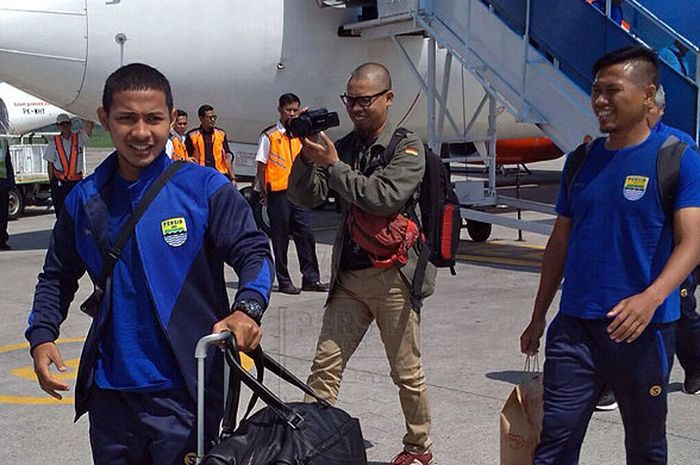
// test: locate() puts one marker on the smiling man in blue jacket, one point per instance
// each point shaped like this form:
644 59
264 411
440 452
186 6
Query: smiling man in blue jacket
137 374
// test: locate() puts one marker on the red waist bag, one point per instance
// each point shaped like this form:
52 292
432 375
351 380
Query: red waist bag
385 239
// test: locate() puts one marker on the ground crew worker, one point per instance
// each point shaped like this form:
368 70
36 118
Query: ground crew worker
137 374
178 134
208 145
7 181
620 292
360 292
65 156
276 153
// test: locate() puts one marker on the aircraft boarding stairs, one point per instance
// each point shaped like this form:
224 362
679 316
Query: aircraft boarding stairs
532 56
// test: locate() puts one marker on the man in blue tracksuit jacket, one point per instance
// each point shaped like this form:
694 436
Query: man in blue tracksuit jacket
137 374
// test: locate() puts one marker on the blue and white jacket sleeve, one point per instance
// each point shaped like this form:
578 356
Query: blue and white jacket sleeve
239 243
57 284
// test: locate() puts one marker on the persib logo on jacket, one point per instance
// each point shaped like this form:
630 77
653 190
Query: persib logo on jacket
174 231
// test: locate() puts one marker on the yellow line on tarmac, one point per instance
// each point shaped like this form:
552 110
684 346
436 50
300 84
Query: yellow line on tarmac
498 261
27 373
25 345
35 400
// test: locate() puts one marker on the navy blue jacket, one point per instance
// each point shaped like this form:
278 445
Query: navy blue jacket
6 183
185 279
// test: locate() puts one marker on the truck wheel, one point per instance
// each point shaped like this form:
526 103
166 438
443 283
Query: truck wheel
16 203
260 215
478 231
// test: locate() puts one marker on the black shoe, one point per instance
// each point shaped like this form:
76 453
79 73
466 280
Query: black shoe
318 286
5 247
289 289
692 383
606 401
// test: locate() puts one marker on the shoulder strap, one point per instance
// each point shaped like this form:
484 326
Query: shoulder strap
264 131
398 136
574 163
115 249
668 168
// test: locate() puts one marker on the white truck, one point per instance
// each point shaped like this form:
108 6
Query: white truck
31 173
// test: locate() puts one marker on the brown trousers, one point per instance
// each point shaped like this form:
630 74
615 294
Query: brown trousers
358 298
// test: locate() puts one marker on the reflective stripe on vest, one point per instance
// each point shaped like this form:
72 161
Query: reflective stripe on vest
68 164
217 148
179 149
283 151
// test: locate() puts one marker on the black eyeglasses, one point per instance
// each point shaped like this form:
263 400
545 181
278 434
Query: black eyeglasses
364 101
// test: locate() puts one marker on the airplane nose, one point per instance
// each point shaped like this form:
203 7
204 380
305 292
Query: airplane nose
43 47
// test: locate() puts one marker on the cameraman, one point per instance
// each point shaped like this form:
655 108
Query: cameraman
276 153
361 293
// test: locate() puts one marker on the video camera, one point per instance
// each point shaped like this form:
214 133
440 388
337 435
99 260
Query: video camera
312 122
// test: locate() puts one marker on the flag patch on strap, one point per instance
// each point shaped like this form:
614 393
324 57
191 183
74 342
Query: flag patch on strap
174 231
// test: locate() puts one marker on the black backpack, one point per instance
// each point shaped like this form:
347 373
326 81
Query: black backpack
668 167
441 219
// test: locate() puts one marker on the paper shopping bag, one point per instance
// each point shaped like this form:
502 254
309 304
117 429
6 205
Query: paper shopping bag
521 421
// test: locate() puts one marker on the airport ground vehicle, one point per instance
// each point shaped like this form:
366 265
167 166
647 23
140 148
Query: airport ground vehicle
31 173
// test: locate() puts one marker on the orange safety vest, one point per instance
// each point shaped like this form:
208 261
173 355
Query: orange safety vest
283 151
197 139
68 164
179 148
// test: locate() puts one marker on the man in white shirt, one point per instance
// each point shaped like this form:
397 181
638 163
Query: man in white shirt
276 153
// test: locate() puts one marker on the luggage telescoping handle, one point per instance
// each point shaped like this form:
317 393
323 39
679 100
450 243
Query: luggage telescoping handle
200 353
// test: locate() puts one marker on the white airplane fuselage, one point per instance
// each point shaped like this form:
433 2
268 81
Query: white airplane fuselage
237 56
21 113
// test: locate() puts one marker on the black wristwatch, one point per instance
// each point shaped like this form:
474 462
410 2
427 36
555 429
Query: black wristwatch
250 307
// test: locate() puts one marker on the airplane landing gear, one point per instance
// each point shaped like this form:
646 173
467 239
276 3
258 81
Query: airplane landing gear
16 203
260 215
478 231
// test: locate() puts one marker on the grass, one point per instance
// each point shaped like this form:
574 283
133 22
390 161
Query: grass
100 139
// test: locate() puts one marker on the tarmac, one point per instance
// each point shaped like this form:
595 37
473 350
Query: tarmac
470 330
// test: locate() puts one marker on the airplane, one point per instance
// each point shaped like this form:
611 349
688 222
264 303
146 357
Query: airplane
237 56
21 113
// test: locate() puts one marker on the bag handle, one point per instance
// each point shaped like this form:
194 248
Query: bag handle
229 420
259 390
532 364
275 367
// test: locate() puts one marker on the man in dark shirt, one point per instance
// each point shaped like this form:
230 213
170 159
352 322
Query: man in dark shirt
7 180
208 145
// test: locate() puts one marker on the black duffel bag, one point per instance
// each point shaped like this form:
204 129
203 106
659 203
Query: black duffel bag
282 433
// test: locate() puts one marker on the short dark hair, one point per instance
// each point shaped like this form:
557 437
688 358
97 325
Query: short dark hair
287 99
372 71
180 112
204 109
635 53
136 76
